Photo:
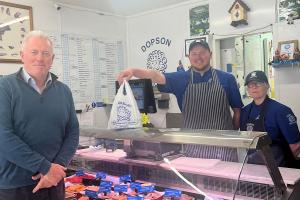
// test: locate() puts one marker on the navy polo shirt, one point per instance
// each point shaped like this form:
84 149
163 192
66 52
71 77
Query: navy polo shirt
177 82
280 121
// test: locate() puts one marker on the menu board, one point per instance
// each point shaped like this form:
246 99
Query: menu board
88 65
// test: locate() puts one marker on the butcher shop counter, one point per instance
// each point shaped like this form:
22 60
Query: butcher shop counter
214 177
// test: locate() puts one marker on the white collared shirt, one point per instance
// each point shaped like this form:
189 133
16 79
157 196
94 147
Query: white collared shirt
29 80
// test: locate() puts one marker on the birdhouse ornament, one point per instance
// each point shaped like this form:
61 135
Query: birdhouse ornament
238 12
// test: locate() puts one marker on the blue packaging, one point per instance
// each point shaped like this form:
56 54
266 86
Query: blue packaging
172 193
91 194
101 175
134 197
104 190
79 172
106 184
125 178
146 189
135 185
120 188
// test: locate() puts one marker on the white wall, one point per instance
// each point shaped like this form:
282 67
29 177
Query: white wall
68 20
75 21
171 22
287 81
262 13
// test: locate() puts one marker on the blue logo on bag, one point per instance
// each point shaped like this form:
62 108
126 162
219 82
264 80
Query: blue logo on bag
123 113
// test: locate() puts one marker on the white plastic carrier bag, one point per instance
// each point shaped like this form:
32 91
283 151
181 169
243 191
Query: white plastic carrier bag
124 112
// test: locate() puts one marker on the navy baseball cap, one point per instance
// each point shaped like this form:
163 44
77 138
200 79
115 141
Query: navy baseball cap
256 76
201 43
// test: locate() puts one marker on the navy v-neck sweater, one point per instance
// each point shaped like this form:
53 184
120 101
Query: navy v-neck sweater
35 129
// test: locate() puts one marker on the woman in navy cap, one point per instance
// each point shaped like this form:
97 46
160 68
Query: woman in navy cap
267 115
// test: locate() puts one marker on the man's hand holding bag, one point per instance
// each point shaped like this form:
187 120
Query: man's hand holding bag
125 112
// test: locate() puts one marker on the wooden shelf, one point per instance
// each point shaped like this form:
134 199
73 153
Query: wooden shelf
288 63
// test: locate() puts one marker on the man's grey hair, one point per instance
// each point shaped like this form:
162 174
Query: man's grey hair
36 33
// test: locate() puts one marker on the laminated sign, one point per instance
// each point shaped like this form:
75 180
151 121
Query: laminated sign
125 112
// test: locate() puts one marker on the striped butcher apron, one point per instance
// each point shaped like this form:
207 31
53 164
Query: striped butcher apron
205 106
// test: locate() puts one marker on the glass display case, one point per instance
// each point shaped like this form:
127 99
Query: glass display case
158 156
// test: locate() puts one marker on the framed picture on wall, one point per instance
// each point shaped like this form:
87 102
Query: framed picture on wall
15 23
189 41
288 48
199 20
288 8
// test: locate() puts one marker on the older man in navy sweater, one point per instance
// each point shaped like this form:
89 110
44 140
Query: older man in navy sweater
39 130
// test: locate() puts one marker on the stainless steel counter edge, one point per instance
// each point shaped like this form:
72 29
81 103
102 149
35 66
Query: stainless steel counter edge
227 138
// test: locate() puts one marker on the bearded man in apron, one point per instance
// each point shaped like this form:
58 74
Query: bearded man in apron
204 95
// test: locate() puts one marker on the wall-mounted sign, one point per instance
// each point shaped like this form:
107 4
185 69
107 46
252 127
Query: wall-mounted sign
156 40
156 59
238 12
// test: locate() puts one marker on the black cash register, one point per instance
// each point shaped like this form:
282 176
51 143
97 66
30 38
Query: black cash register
143 93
